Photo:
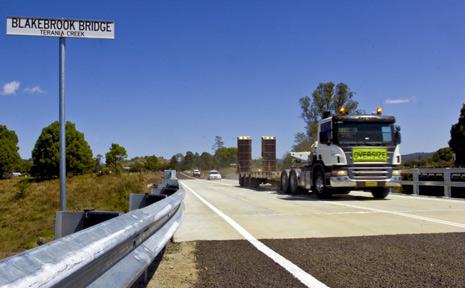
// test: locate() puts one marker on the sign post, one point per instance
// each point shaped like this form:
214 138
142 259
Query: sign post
62 28
62 125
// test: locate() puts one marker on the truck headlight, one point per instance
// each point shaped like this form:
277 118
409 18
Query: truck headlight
339 173
395 172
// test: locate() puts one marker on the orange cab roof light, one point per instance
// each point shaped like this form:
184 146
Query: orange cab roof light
379 110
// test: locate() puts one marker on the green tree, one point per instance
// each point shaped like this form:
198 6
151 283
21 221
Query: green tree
206 161
457 139
26 166
152 163
326 97
9 156
443 154
174 163
189 161
219 143
46 155
115 157
225 156
98 163
302 142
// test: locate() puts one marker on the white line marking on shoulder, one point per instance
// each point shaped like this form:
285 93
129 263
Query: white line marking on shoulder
428 198
304 277
412 216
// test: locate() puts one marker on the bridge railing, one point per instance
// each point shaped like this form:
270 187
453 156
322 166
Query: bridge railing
114 253
447 178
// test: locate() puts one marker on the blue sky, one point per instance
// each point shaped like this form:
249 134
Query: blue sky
181 72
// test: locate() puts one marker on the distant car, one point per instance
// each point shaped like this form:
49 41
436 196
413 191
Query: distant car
214 175
196 173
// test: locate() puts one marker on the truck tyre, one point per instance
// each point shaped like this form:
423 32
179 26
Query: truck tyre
284 183
293 183
380 193
246 181
254 183
319 184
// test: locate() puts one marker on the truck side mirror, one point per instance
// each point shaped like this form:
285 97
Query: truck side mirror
397 137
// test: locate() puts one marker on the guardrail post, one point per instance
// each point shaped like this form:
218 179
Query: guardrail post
447 183
416 184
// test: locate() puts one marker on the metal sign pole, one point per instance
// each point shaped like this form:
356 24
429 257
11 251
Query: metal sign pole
62 28
62 127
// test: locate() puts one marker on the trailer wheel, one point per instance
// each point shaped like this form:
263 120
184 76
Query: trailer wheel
255 183
380 193
246 181
241 181
293 183
319 185
284 183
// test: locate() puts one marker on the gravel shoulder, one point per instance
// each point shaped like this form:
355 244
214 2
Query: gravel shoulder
177 267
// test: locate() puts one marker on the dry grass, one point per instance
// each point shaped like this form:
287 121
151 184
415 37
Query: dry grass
27 208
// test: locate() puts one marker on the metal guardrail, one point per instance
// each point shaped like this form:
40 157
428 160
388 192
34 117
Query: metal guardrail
113 253
445 173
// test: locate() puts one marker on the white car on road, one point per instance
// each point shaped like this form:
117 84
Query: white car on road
214 175
196 173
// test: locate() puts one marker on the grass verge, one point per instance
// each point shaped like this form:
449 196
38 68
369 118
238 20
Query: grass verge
27 207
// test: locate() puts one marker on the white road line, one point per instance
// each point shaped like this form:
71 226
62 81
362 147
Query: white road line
307 279
428 198
412 216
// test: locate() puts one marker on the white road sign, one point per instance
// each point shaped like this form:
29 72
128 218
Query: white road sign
60 27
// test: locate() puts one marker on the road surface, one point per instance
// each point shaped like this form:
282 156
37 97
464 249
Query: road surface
263 238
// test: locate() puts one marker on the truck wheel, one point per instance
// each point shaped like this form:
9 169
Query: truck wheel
380 193
319 185
241 181
254 183
284 184
293 183
246 181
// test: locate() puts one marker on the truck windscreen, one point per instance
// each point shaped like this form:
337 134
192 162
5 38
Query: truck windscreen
356 133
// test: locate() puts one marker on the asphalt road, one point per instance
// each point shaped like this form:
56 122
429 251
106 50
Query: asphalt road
263 238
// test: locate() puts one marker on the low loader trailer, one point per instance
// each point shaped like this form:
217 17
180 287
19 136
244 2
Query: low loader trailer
352 152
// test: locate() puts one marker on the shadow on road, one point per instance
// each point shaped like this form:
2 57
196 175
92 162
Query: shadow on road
313 197
310 196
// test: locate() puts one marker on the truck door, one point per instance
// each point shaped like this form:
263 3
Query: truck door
326 151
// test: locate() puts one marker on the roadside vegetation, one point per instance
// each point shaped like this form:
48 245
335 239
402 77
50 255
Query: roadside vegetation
451 156
29 189
223 157
28 206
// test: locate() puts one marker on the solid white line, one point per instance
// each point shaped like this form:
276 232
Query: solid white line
304 277
412 216
428 198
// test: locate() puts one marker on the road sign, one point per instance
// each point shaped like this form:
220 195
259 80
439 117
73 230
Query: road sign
70 28
62 28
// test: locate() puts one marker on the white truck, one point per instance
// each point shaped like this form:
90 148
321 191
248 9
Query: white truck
352 152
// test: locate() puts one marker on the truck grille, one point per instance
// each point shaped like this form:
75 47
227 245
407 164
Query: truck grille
370 173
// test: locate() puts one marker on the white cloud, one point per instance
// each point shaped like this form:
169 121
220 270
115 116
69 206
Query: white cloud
10 88
399 101
34 90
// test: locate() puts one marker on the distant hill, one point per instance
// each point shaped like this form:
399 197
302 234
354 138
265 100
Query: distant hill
416 156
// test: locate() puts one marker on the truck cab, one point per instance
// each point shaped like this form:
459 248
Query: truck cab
352 152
